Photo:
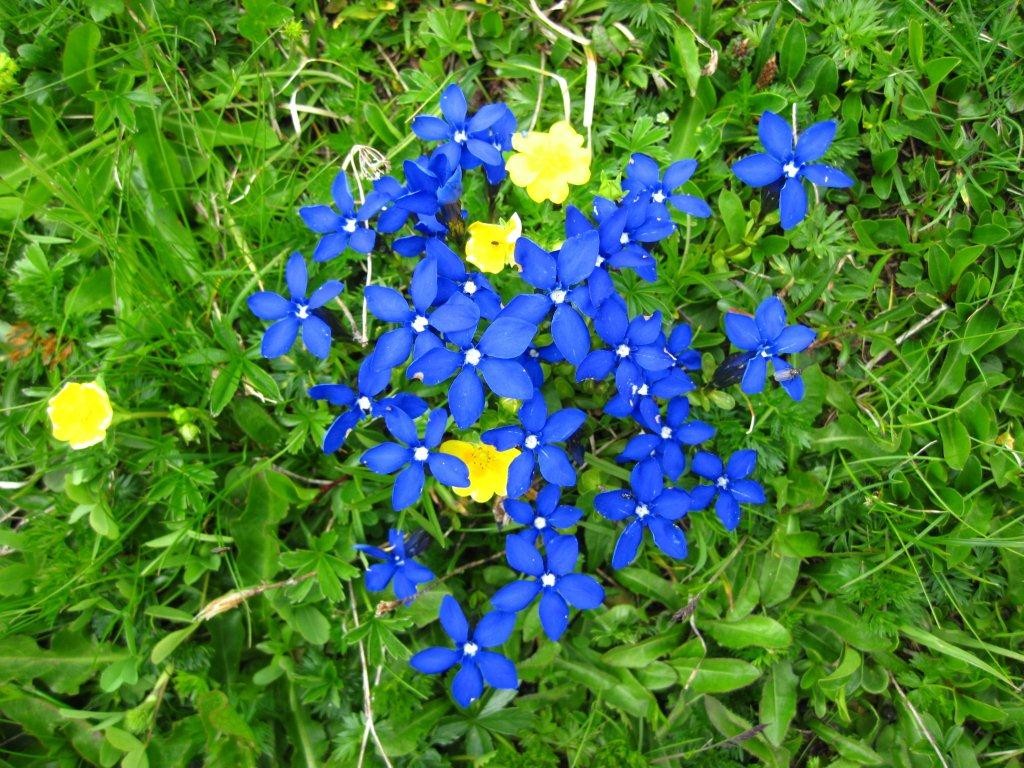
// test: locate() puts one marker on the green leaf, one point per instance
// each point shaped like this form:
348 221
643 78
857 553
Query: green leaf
79 61
261 16
69 662
740 731
750 631
928 640
225 386
956 442
851 749
734 217
167 644
311 624
793 51
713 675
381 125
778 702
686 58
636 655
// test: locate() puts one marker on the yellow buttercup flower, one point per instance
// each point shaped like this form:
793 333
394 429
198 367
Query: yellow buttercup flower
80 414
547 163
491 247
488 467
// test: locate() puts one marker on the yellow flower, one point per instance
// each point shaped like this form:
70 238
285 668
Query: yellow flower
488 467
80 414
547 163
492 246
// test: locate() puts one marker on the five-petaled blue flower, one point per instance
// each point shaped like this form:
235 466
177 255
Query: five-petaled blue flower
362 403
343 229
546 519
643 182
467 141
553 579
536 440
398 565
765 336
298 313
730 484
666 436
791 161
414 455
477 664
648 504
625 227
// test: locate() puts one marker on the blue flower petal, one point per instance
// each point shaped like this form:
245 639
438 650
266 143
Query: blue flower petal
707 465
522 557
433 367
436 424
826 176
331 245
643 170
459 313
628 545
555 466
386 457
577 258
792 203
362 240
400 425
754 375
466 397
615 505
747 491
430 128
728 510
280 337
520 474
507 337
679 173
295 275
341 194
758 170
570 334
702 496
770 318
671 504
484 151
487 116
267 305
539 266
393 348
612 322
467 685
454 620
454 106
563 551
423 287
498 671
562 425
320 218
504 438
597 365
668 538
515 595
581 591
339 430
494 629
812 143
449 470
325 293
386 304
554 614
741 464
742 331
377 576
777 136
795 338
408 486
432 661
507 378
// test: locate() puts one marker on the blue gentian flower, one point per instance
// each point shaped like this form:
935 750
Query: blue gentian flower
599 283
625 228
666 384
428 228
477 664
398 566
301 312
647 505
730 485
467 142
418 323
560 275
343 229
666 437
500 137
552 578
765 336
643 182
431 184
790 162
453 278
546 519
634 346
536 440
362 403
415 454
494 356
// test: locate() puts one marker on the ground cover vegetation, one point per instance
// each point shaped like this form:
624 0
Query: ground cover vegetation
762 458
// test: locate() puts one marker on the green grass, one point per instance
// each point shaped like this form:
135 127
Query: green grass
150 170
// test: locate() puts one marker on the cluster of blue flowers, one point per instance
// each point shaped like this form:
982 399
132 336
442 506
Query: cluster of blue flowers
453 328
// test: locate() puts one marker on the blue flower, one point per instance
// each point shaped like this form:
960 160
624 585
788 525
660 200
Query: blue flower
547 520
362 403
398 565
453 278
666 437
634 346
765 337
494 356
418 324
599 283
625 228
791 162
536 440
415 455
730 485
431 184
552 578
643 182
343 229
560 275
477 665
500 137
647 505
301 312
467 139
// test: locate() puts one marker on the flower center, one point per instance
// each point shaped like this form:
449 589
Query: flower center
399 561
642 511
531 442
622 350
540 523
533 353
722 482
469 288
470 648
302 312
459 137
558 296
623 238
472 356
421 453
420 323
350 225
599 261
790 169
666 433
548 579
363 403
658 197
642 390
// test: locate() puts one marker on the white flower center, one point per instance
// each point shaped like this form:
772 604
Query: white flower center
642 390
599 261
470 648
790 169
302 312
622 350
469 288
623 238
548 579
399 562
765 353
533 353
350 225
472 356
460 137
531 442
722 482
363 403
558 296
540 523
642 511
666 433
420 323
421 453
658 197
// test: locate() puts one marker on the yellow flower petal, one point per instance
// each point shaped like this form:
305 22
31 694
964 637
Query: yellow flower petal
488 468
80 414
492 246
545 164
